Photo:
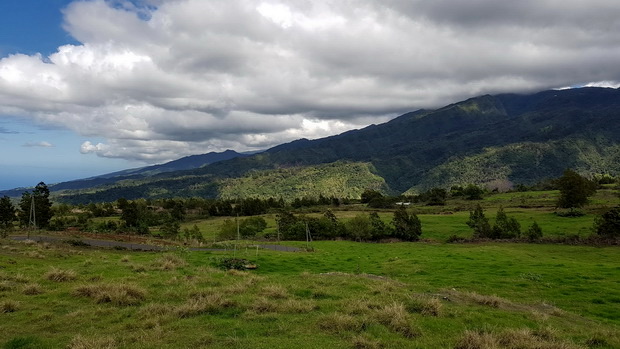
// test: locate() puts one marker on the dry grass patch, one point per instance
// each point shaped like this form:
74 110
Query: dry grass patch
60 275
295 306
19 278
263 305
6 285
395 317
363 342
513 339
32 289
81 342
125 259
169 262
274 292
9 306
209 304
117 294
424 305
361 306
338 323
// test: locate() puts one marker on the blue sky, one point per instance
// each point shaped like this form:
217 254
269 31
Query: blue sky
89 87
31 151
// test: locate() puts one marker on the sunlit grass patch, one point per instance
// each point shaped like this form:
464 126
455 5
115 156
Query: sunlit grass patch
396 318
8 306
117 294
512 338
82 342
32 289
61 275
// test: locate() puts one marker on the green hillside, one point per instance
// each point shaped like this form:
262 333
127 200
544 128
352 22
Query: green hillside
520 139
339 179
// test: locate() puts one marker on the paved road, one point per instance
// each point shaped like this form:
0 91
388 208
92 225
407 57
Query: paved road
137 246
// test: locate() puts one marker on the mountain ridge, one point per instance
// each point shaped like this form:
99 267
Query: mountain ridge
454 144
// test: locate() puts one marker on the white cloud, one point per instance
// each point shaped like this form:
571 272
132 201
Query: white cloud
42 144
192 76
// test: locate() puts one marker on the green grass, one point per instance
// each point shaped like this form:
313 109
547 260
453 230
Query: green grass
343 295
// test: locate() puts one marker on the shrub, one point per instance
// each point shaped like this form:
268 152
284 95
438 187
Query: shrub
571 212
608 224
233 263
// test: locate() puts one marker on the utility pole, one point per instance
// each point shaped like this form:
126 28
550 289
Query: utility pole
32 222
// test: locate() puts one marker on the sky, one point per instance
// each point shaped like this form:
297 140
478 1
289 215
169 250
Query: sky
94 86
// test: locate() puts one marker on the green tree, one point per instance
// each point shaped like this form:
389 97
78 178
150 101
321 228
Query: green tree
479 223
574 190
380 230
7 215
42 206
534 232
368 195
436 197
251 226
473 192
505 227
406 226
608 224
171 228
359 228
193 233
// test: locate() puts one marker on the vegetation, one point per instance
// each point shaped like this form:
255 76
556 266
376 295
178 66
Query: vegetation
574 190
342 295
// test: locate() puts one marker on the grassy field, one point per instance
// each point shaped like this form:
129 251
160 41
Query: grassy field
342 295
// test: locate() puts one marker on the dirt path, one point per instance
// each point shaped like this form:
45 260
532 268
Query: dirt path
137 246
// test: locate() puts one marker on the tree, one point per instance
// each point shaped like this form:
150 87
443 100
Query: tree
359 227
505 227
368 195
251 226
608 225
436 197
379 228
7 214
534 232
479 223
574 190
473 192
42 206
406 226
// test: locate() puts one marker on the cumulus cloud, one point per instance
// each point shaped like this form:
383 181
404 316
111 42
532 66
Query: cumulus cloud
42 144
162 79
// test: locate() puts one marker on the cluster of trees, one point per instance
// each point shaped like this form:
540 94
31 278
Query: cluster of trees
363 227
34 208
431 197
504 227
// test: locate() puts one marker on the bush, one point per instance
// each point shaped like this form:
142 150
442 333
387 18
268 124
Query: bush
571 212
608 224
233 263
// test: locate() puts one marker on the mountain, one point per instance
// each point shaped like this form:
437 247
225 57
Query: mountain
489 140
185 163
